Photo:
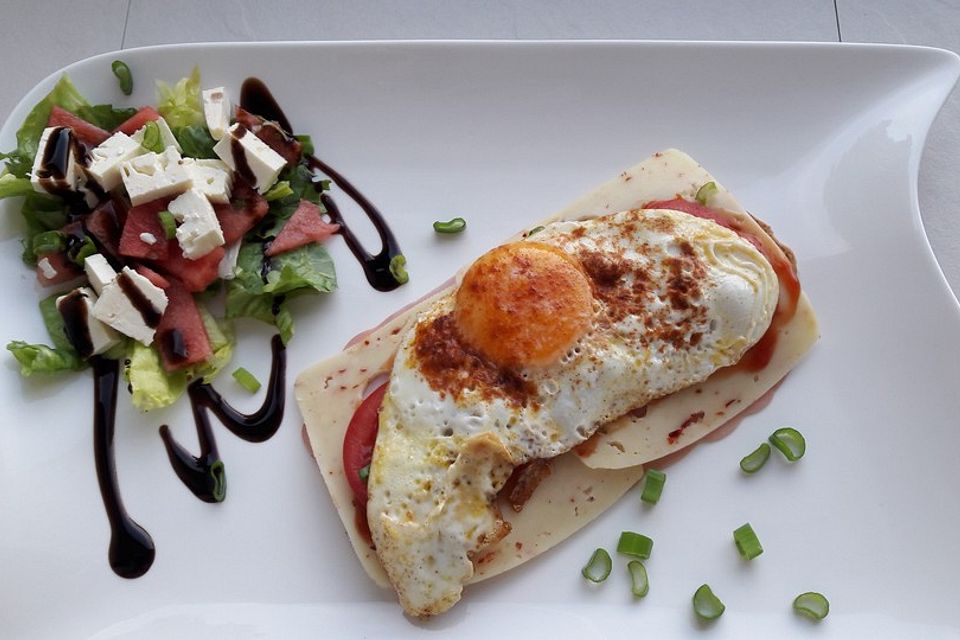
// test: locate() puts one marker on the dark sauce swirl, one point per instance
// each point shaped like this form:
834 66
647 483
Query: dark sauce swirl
204 474
257 99
131 547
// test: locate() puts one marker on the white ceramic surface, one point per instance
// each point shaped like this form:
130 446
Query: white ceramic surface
822 141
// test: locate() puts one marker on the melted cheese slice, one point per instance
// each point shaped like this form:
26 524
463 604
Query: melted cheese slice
575 493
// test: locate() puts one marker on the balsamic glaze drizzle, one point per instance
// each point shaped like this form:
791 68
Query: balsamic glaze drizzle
131 547
257 99
204 474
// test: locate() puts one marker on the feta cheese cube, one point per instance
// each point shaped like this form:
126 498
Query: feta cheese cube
166 135
212 178
154 175
55 167
132 305
99 272
216 111
198 231
48 270
105 159
256 162
88 335
227 269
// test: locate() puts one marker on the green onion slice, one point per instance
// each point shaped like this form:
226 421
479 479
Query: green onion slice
48 242
280 190
534 230
755 461
246 380
748 544
706 604
812 604
219 481
79 254
169 225
151 137
398 270
124 76
706 192
364 472
599 566
634 544
639 584
451 226
653 486
789 442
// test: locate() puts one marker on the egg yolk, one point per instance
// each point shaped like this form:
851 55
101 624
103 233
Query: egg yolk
524 303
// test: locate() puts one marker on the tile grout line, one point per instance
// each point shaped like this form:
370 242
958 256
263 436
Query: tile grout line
836 13
126 20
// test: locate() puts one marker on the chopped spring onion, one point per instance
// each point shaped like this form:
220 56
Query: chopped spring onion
219 481
452 226
124 77
706 192
325 185
48 242
246 380
534 230
706 604
364 472
79 254
653 486
169 225
634 544
748 544
639 584
789 442
280 190
398 270
812 604
151 137
754 461
599 566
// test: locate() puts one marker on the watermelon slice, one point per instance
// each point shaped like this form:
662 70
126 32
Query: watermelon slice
155 278
65 269
246 209
306 225
145 219
137 120
181 338
89 134
104 225
196 275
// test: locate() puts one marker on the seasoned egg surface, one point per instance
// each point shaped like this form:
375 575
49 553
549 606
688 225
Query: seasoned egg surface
545 340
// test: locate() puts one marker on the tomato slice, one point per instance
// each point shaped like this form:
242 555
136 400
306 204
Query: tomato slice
359 441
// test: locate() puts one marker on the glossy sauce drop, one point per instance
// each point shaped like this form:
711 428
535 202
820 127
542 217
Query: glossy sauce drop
131 548
257 99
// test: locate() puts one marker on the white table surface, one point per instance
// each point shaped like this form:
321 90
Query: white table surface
32 46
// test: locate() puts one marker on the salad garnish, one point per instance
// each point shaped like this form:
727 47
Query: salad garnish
789 442
456 225
754 461
654 480
599 566
748 544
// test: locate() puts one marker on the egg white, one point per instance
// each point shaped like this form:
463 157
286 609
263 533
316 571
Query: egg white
441 458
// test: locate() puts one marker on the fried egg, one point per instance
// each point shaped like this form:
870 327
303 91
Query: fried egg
544 341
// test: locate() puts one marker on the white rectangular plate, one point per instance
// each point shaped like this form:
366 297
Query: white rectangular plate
822 141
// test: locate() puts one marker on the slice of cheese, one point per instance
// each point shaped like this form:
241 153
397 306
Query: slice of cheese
329 393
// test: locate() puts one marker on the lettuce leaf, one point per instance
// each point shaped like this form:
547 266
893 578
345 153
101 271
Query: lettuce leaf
196 141
304 270
41 358
41 214
106 116
180 104
11 186
152 387
64 94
